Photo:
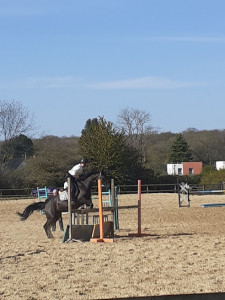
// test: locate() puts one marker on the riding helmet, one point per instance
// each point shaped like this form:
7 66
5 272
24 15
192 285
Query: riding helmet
84 161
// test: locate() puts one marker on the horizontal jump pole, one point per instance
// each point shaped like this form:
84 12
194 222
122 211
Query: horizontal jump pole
207 192
94 210
213 205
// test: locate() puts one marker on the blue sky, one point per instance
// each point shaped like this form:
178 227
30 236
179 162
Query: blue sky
71 60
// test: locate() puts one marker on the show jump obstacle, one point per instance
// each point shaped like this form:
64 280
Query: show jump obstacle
96 232
42 193
84 231
101 224
183 194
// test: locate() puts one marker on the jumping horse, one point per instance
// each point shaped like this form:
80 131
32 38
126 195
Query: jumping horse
54 207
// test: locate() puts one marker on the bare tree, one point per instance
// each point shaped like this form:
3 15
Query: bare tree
135 123
14 120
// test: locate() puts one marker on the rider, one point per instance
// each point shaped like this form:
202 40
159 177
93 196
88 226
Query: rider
75 174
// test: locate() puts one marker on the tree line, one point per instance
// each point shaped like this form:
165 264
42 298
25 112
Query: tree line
127 151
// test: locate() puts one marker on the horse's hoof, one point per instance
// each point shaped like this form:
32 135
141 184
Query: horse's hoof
50 236
90 206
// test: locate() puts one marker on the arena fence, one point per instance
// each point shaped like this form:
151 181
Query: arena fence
14 194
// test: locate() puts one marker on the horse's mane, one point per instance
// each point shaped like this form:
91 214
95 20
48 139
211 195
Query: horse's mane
93 174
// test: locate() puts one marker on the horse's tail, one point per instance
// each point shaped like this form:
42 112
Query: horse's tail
30 209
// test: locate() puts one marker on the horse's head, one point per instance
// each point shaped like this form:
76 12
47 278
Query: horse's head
95 176
84 196
105 180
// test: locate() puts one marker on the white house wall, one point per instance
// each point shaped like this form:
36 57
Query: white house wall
172 169
220 165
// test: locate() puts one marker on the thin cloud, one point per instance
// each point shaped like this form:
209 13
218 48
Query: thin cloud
140 83
74 82
44 82
53 82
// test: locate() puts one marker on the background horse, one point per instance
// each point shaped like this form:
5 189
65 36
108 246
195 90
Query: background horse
54 207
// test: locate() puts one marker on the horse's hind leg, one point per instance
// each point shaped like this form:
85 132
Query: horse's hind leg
60 225
47 228
54 227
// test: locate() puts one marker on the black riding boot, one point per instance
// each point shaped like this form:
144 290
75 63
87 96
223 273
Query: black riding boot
74 193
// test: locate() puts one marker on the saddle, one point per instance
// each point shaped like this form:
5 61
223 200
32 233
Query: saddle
63 195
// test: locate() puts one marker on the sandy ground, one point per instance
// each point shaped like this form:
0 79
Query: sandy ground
183 253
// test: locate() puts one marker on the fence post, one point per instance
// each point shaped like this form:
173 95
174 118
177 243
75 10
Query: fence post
69 208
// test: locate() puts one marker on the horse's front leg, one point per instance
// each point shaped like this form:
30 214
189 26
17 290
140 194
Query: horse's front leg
89 203
90 206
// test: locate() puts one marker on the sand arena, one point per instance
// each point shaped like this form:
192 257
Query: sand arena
183 253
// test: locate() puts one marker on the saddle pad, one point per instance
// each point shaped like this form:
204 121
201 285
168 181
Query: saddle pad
63 196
